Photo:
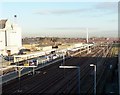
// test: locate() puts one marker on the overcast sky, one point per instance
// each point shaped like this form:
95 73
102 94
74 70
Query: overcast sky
64 19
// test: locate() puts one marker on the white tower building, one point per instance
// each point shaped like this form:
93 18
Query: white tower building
10 37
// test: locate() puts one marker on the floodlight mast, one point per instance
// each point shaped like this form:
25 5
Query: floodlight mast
87 35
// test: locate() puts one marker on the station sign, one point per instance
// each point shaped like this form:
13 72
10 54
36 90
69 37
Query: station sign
32 62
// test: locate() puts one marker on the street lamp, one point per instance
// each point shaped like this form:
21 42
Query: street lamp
92 65
74 67
63 59
19 75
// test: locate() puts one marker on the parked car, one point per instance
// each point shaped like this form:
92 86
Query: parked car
9 58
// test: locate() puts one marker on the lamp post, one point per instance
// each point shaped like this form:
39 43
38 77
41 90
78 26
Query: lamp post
94 77
74 67
19 69
63 63
19 75
63 59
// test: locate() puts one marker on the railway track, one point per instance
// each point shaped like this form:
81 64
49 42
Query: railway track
107 71
49 81
44 85
101 79
63 84
74 82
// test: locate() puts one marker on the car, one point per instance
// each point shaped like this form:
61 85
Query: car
54 57
9 58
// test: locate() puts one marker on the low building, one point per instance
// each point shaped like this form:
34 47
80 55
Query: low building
32 47
78 45
44 48
37 47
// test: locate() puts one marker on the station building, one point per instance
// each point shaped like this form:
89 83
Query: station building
10 37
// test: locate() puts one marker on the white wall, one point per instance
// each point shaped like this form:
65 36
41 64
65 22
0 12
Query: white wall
14 38
13 49
2 40
46 48
78 45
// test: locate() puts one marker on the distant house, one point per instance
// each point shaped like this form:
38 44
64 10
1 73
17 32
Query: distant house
10 37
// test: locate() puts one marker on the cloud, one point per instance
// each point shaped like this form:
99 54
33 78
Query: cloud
113 20
109 33
112 6
72 28
68 28
104 9
64 11
97 10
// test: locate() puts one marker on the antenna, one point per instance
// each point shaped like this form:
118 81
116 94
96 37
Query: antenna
87 35
15 19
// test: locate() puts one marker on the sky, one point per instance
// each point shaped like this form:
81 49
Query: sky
63 19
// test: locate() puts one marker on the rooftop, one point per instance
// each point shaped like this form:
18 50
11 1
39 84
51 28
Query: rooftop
2 23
